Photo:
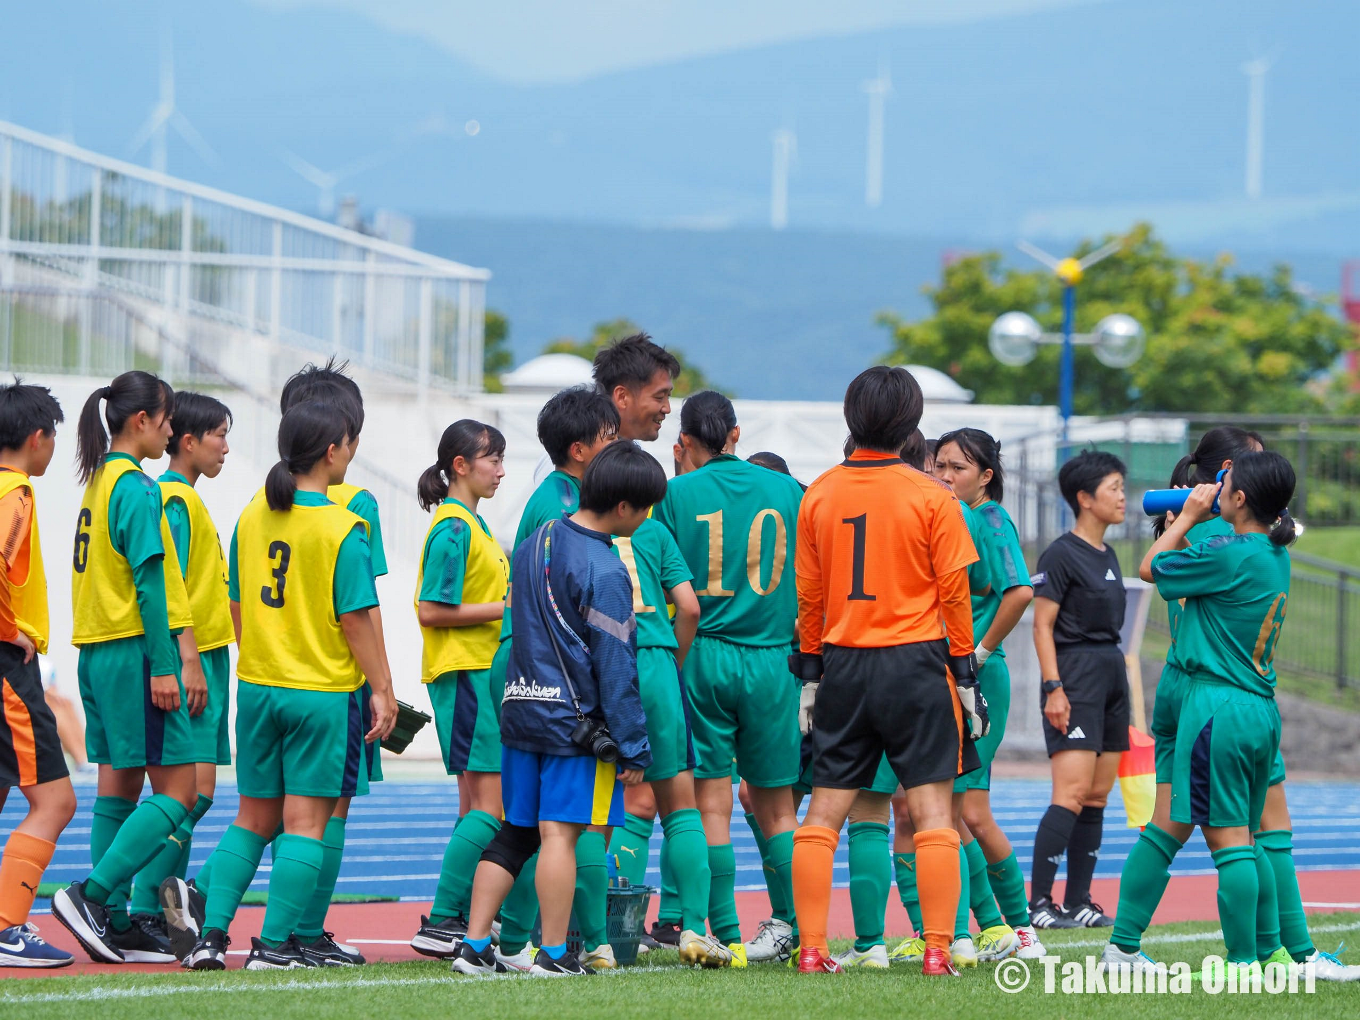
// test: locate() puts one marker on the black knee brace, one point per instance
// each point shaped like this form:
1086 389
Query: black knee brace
512 846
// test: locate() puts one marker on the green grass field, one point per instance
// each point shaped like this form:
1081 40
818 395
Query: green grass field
665 989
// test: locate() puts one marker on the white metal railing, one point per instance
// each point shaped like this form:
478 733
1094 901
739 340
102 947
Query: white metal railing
211 257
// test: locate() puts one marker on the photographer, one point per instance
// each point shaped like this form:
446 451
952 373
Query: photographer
572 725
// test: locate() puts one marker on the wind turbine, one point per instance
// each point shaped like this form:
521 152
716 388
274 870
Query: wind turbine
1255 70
326 181
785 151
166 115
879 89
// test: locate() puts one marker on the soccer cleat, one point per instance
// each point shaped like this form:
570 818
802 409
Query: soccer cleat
599 958
703 950
936 963
184 907
1245 972
22 946
1088 915
963 953
738 951
209 952
1030 946
288 956
773 941
811 961
146 941
546 966
87 921
996 943
873 958
1044 914
1112 957
521 961
662 936
326 952
484 964
439 940
908 951
1328 966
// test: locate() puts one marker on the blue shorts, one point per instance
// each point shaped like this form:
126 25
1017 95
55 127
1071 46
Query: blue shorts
555 788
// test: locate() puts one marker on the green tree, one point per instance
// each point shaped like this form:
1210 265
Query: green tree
691 378
1217 340
496 354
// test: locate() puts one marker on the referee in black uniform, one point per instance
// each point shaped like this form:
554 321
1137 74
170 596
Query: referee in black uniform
1078 612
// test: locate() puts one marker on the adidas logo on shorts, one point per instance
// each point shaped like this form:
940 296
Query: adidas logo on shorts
1076 733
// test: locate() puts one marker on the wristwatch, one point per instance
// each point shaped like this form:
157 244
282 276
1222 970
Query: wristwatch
1049 686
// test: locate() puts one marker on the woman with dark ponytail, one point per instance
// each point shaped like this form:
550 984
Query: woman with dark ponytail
300 580
128 598
460 599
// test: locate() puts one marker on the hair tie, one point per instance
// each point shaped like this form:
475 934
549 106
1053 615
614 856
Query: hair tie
106 392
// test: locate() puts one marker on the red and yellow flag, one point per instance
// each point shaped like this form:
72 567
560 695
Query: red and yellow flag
1138 778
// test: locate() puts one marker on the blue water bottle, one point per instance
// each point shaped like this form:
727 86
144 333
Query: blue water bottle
1160 501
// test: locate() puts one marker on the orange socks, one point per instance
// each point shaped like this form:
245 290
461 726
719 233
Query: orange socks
814 847
26 858
937 881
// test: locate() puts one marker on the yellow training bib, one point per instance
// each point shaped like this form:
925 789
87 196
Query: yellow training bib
27 578
103 593
285 564
486 579
206 576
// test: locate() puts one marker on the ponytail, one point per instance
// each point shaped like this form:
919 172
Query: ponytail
465 438
1284 531
128 395
708 418
306 433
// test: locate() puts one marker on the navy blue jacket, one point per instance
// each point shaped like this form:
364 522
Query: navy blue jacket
597 644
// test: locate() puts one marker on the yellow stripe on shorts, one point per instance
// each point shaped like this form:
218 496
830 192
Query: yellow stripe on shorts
605 773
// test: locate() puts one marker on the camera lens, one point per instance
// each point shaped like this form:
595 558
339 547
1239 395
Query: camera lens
605 749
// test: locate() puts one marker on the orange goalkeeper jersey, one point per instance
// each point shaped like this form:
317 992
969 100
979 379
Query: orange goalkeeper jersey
882 557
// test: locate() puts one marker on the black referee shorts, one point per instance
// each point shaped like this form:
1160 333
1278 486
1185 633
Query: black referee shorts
899 701
30 750
1096 681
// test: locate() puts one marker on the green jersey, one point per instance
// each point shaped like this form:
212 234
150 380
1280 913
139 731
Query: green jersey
556 495
1201 532
1236 588
979 571
736 524
998 545
655 566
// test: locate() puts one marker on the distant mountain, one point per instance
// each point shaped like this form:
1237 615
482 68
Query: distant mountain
1058 123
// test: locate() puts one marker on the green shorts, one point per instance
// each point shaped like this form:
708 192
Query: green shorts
466 720
1225 749
372 752
744 705
122 728
1166 718
663 701
995 680
307 743
500 668
211 730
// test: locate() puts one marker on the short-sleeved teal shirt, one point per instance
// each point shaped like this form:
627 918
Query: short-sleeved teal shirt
446 555
1201 532
363 504
655 567
998 545
556 495
353 587
979 572
1236 589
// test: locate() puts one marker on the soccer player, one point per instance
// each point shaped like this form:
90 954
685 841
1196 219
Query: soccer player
30 749
128 598
882 582
1236 592
735 524
301 587
197 448
460 598
1078 612
572 721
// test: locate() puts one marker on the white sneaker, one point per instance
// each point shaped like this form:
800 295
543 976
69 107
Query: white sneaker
703 950
1113 956
773 941
599 958
521 961
1030 946
1326 967
997 943
873 958
963 952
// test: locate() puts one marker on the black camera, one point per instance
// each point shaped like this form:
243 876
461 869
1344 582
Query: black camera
593 735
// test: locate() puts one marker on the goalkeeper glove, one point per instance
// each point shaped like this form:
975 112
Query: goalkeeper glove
964 669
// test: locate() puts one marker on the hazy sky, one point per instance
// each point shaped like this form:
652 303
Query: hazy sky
560 40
